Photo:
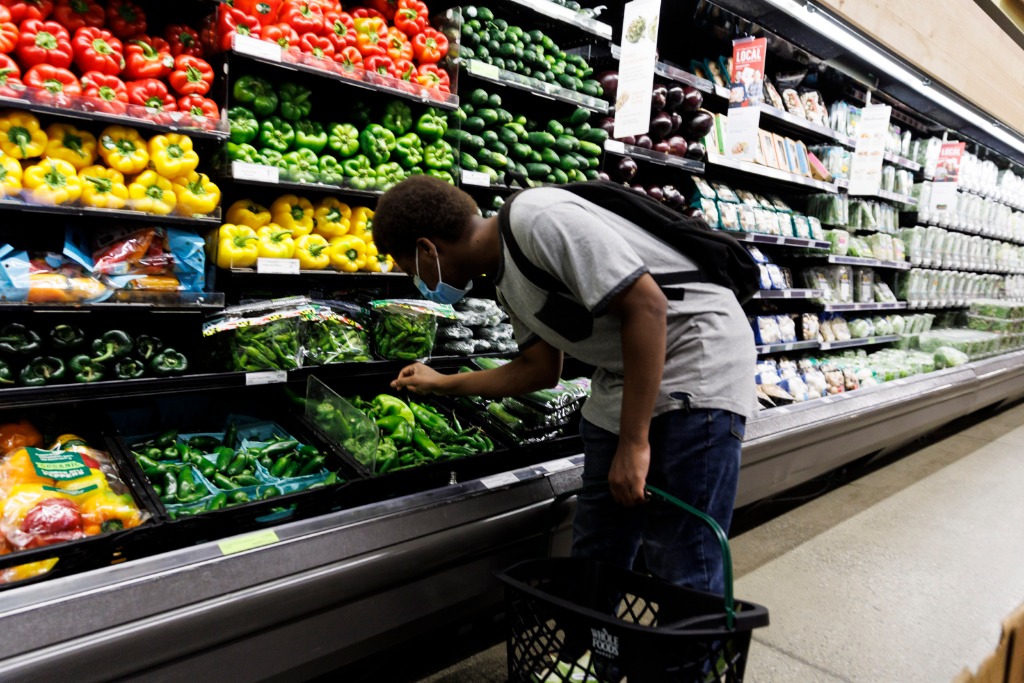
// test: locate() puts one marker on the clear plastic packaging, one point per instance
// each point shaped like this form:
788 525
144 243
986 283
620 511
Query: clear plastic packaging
406 328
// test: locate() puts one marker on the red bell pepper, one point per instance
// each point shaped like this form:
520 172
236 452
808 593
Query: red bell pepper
367 13
9 66
320 47
382 64
44 42
109 92
386 8
22 10
8 37
191 75
125 19
147 57
341 29
54 80
405 69
282 34
97 50
398 45
303 16
74 14
349 58
411 17
149 92
430 46
433 77
264 10
10 85
52 520
183 40
369 41
197 105
231 21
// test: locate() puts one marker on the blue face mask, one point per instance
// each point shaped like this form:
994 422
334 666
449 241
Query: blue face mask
443 293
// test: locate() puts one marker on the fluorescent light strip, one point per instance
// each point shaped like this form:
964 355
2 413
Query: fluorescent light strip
816 19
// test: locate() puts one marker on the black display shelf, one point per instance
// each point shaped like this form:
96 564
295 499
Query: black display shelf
854 343
776 118
649 155
765 349
779 240
788 294
128 300
548 15
677 74
67 210
492 74
244 173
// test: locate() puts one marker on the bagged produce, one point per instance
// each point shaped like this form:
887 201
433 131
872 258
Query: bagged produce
406 328
337 334
264 335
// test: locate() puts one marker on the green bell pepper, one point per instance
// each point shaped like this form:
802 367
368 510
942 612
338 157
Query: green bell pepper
170 362
66 337
331 170
376 142
303 165
295 103
113 344
385 405
6 377
87 370
129 368
15 338
276 133
343 139
397 117
244 126
432 126
42 370
409 150
256 93
310 135
359 174
360 115
441 175
244 152
389 175
439 156
271 157
415 170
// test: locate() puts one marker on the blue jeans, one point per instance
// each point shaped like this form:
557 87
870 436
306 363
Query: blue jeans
695 456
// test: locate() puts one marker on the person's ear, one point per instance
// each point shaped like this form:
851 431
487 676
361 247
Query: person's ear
426 247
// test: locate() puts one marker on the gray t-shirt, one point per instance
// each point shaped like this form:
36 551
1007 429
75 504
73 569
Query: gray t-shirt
710 353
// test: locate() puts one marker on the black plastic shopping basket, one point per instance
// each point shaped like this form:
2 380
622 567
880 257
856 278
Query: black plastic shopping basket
572 619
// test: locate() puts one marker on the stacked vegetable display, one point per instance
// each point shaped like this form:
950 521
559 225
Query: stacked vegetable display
370 150
528 151
328 234
529 53
157 176
389 38
69 49
66 354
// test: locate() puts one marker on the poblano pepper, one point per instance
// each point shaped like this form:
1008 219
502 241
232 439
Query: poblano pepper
409 150
310 135
295 102
277 134
343 139
169 362
42 370
113 344
431 126
376 142
129 368
146 347
15 338
397 117
86 369
6 376
66 337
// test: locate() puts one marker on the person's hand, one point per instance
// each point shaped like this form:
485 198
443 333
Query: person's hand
628 474
420 379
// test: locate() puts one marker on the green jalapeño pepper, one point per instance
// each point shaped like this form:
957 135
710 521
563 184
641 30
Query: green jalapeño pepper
441 175
256 93
439 156
295 102
86 369
244 127
277 134
6 377
409 150
389 175
432 126
310 135
303 165
359 174
129 368
146 346
244 152
397 117
113 344
376 142
343 139
43 370
18 339
170 362
331 170
66 337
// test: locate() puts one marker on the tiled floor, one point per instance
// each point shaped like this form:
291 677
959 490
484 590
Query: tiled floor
901 576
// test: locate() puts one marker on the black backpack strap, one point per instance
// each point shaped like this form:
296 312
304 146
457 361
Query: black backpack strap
531 270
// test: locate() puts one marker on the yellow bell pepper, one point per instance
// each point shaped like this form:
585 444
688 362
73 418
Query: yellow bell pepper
347 253
10 176
172 155
123 149
311 250
362 223
17 468
77 147
197 194
103 187
27 571
152 193
52 182
106 511
332 218
275 242
20 135
236 246
78 489
248 212
377 262
293 213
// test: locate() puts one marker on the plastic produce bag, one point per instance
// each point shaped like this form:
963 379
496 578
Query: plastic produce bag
406 328
264 335
500 332
453 332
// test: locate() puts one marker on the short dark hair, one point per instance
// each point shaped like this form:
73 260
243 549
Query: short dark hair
420 206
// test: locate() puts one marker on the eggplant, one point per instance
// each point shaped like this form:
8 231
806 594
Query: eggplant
644 141
698 125
628 140
607 124
693 100
662 146
659 97
677 145
639 189
603 176
625 169
655 192
693 212
696 151
677 123
675 97
609 81
661 125
673 197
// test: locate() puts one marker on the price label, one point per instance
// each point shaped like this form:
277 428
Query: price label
253 379
277 266
780 240
787 294
499 480
825 346
248 542
484 70
476 178
253 47
258 173
557 465
787 347
615 146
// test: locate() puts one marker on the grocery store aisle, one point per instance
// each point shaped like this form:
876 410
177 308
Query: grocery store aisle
901 575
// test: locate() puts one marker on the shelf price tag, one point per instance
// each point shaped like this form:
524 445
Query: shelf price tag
277 266
240 544
499 480
615 146
476 178
557 465
254 47
254 379
241 170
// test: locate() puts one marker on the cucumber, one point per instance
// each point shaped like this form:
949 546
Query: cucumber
535 157
467 162
507 135
559 176
494 100
489 136
596 136
568 163
498 147
518 129
454 136
550 156
555 128
478 98
504 115
489 116
520 151
539 139
579 116
590 149
537 171
566 81
566 143
491 173
472 144
474 124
